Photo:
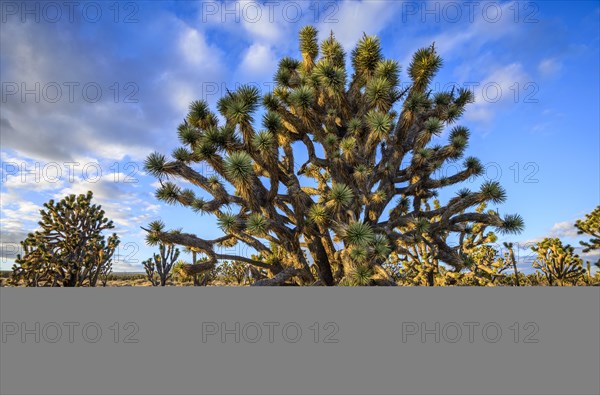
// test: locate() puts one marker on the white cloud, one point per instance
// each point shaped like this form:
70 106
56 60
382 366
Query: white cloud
122 205
357 17
195 50
118 151
33 178
549 67
563 229
124 266
541 127
260 23
124 202
593 255
498 87
128 120
181 95
527 244
153 208
259 63
467 39
255 21
16 211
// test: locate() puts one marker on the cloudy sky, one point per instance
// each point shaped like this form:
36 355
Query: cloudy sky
90 88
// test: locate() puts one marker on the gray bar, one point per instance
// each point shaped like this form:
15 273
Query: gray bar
246 340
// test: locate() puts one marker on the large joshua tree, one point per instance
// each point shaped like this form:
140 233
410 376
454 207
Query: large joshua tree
366 168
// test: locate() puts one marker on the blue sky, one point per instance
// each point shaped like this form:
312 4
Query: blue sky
115 81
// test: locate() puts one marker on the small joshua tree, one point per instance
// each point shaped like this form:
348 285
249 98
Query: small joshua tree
234 272
559 263
105 272
590 225
70 249
158 268
486 266
150 268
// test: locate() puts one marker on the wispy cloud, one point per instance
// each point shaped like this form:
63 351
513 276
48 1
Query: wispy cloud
258 64
355 18
549 67
564 229
497 91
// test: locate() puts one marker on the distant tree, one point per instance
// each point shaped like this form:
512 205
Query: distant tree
70 249
590 225
105 273
559 263
234 272
158 268
486 265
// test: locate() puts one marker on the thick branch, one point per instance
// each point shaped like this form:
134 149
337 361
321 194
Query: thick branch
280 278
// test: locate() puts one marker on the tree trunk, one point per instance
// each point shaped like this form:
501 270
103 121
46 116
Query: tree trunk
430 278
322 261
516 274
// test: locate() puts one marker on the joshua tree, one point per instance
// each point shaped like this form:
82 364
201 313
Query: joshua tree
370 154
105 272
234 271
486 266
158 268
590 226
558 263
150 269
69 250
